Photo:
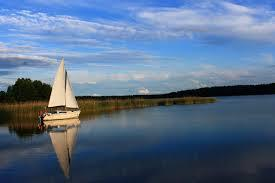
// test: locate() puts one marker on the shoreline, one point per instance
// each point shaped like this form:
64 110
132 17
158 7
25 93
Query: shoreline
90 106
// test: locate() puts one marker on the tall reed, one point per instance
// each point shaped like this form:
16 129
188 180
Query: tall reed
91 106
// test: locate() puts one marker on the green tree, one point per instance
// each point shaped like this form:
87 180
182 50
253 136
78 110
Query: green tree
25 89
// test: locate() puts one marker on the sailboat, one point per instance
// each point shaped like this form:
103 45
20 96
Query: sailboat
62 103
63 136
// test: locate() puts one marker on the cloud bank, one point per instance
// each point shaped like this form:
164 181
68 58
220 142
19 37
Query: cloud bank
146 47
209 18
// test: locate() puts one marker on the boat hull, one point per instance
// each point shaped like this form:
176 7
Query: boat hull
67 122
61 115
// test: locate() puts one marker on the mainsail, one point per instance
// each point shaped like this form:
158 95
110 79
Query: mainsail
62 94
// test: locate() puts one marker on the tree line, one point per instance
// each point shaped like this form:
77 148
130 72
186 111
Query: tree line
25 89
236 90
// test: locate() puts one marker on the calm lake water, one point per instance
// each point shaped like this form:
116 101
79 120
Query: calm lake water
232 140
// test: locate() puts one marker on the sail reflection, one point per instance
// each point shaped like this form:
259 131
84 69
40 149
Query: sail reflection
63 136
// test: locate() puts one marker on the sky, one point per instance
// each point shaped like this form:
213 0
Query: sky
129 47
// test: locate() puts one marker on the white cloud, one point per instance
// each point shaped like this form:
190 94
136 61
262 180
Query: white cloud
140 76
209 21
202 76
82 77
18 56
143 91
42 23
89 77
122 56
108 57
267 58
222 19
214 73
217 19
235 8
3 85
95 95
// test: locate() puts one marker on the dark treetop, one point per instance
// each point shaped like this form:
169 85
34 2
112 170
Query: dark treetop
26 90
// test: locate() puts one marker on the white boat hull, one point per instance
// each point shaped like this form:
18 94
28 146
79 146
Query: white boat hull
67 122
61 115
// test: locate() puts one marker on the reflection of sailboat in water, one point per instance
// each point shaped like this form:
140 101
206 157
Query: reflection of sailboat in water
63 136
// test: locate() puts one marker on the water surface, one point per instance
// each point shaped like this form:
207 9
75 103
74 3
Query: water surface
232 140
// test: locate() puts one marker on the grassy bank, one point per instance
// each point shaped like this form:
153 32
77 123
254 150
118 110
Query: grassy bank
90 106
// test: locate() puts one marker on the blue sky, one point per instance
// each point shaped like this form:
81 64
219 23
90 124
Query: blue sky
138 47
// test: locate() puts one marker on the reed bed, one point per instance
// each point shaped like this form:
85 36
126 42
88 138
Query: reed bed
22 109
95 106
21 118
92 106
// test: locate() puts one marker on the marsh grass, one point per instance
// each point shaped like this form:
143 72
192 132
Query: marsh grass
95 106
29 110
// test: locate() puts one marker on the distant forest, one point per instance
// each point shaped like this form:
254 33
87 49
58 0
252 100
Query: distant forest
28 90
237 90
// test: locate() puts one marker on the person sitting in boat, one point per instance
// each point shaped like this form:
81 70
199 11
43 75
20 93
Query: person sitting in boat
41 115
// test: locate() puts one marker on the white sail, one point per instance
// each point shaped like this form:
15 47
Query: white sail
58 90
70 98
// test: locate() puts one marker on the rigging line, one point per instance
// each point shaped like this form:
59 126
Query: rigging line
65 85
